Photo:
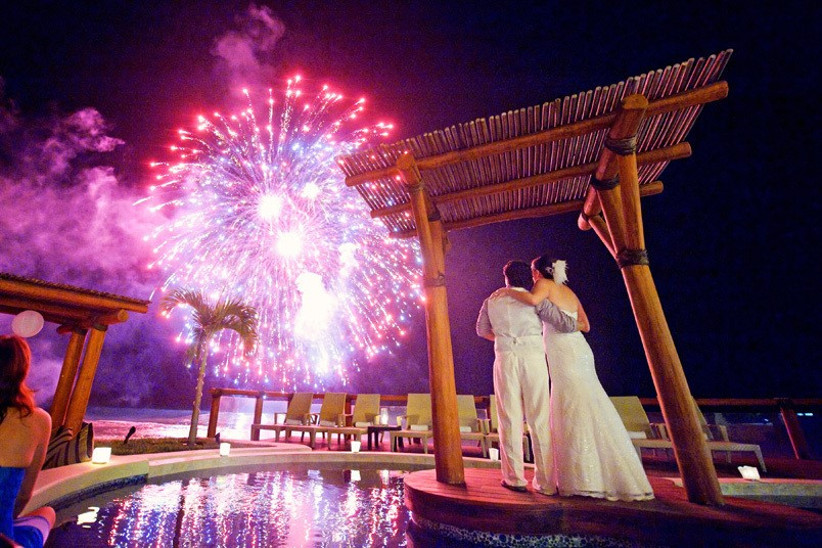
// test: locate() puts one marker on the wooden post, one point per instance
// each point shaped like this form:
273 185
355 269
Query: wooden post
216 394
258 408
67 375
82 388
623 215
800 446
447 442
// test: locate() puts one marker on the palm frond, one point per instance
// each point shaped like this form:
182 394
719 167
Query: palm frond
230 313
183 296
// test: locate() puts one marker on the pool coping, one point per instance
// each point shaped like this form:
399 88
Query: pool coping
67 482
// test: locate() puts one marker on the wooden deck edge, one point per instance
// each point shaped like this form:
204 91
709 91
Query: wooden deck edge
483 505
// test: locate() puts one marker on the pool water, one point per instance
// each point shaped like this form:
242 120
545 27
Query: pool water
314 506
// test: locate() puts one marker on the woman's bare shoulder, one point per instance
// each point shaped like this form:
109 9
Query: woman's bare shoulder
38 418
42 417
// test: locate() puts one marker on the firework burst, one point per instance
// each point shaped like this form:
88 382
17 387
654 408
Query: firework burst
260 211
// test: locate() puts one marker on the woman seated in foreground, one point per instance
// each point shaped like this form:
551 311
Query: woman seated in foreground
24 433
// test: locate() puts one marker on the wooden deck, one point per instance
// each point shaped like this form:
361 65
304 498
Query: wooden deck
669 520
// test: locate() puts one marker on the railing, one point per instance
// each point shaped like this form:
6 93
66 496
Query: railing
786 407
262 395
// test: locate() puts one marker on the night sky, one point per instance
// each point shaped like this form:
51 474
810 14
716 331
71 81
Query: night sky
92 92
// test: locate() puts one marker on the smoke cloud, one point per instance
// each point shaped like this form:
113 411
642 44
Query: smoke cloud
67 217
244 55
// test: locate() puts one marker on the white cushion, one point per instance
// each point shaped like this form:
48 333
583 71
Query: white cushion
418 427
293 421
465 428
328 423
362 424
637 435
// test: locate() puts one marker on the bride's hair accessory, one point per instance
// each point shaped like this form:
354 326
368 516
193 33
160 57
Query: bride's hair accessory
559 271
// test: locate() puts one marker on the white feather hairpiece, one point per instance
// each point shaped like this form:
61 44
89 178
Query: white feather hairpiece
559 269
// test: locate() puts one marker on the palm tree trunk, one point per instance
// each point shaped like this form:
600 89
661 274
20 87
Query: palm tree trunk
198 393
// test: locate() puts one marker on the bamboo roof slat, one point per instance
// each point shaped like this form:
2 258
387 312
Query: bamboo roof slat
530 142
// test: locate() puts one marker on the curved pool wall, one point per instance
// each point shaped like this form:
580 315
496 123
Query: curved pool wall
66 484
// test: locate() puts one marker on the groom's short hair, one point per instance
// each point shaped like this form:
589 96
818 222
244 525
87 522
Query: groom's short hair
518 274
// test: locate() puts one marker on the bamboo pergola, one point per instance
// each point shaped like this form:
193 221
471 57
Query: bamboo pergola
595 153
84 315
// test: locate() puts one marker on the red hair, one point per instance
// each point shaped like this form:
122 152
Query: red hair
15 359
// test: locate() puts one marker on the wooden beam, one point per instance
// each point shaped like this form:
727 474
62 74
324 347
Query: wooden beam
601 230
53 313
65 382
82 388
448 458
625 126
541 211
215 412
58 295
667 154
706 94
799 443
118 316
623 216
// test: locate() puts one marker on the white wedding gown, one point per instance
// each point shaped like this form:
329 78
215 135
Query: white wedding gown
593 454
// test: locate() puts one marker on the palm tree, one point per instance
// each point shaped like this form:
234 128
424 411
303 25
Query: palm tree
226 314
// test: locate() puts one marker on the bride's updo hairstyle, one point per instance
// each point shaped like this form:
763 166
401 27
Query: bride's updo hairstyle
550 268
544 265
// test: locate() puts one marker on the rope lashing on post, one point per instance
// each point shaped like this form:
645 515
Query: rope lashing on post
607 184
437 281
632 257
623 147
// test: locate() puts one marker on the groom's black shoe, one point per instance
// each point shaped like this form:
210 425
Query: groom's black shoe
517 488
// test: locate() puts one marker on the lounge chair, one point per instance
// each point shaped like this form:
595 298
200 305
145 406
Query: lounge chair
298 413
366 410
417 422
330 417
492 431
636 420
471 428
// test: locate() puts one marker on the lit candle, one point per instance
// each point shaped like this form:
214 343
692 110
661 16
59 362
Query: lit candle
355 446
749 472
101 455
225 449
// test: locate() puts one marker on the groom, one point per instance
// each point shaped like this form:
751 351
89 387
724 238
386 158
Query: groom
521 377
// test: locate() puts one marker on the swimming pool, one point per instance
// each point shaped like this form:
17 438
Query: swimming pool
278 496
272 506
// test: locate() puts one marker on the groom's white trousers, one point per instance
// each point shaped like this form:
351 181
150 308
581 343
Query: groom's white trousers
521 384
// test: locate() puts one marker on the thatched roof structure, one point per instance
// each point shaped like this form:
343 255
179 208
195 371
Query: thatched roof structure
533 161
84 315
64 304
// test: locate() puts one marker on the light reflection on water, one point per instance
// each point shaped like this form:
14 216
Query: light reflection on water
302 507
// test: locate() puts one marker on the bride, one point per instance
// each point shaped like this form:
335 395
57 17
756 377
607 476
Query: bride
593 454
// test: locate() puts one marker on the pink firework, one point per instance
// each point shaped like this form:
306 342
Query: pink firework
260 211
